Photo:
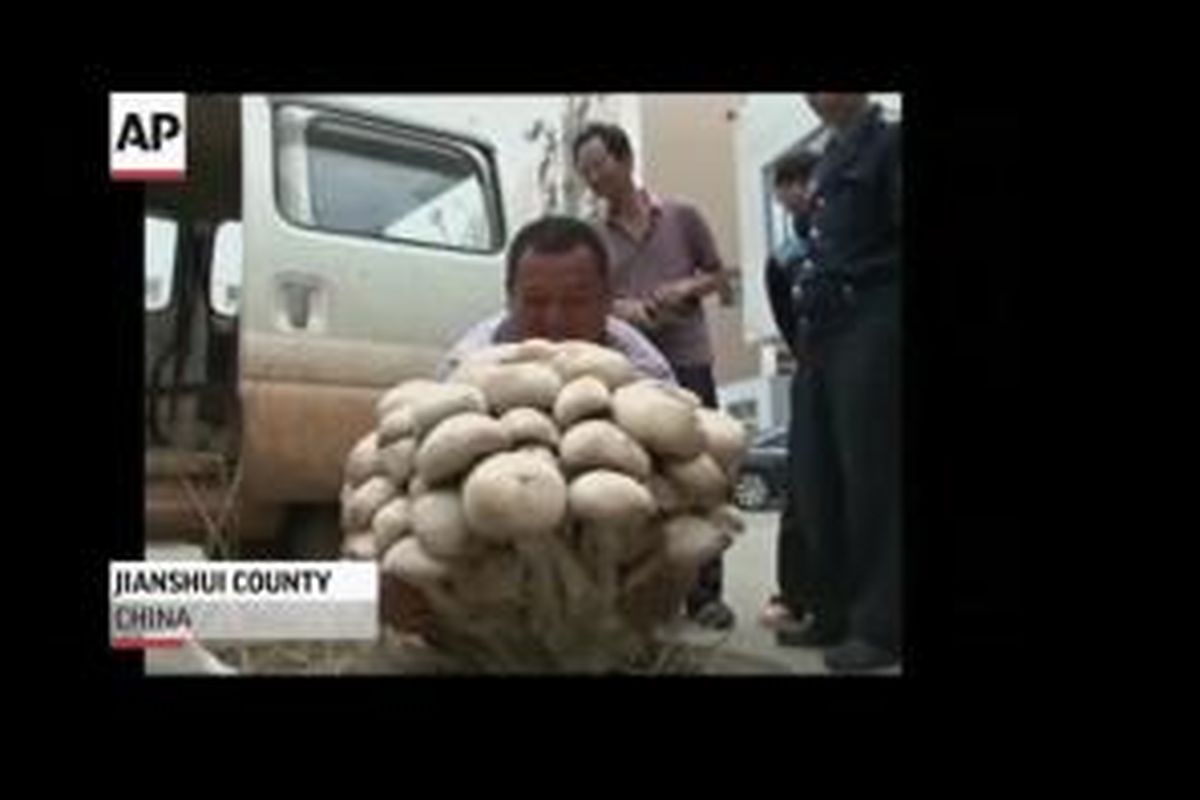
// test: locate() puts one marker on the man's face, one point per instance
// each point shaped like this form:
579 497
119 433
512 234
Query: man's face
604 173
836 108
793 195
559 296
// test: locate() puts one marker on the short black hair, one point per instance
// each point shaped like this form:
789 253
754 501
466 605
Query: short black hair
615 140
797 166
555 234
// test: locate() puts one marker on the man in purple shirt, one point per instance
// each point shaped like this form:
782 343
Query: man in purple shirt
664 262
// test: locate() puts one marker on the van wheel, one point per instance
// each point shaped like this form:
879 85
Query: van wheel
312 533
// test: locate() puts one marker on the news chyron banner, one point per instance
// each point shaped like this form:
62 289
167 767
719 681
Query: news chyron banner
165 603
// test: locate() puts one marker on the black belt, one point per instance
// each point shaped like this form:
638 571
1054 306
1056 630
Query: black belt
826 298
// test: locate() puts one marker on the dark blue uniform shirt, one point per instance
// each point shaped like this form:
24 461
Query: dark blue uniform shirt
856 213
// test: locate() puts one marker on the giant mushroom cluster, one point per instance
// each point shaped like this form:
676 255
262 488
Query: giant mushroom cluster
542 509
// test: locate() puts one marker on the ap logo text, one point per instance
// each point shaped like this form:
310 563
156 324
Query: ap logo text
147 136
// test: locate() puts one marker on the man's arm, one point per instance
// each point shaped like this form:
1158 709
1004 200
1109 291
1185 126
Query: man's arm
706 263
640 351
631 310
686 290
779 293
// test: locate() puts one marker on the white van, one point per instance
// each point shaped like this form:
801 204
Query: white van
320 250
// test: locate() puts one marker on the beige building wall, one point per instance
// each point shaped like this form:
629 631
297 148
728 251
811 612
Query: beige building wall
687 151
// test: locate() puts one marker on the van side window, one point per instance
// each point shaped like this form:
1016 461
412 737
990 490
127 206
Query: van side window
226 286
161 236
347 176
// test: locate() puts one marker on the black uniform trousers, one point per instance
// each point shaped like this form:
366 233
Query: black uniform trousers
839 550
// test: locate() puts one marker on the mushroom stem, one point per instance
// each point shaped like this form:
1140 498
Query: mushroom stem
605 546
579 591
644 572
546 612
475 641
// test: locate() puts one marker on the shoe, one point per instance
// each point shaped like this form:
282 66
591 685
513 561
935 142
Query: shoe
857 655
714 614
777 615
814 633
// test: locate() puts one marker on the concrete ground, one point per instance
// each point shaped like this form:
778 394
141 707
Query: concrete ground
749 581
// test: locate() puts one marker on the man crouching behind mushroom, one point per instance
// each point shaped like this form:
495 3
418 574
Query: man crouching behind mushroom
541 442
558 289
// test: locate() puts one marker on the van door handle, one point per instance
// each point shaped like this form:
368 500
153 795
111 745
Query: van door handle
296 299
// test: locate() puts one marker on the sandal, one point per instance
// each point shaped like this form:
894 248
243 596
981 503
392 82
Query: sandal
776 615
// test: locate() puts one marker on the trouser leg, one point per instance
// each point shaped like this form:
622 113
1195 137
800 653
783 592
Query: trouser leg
710 583
816 496
864 386
793 562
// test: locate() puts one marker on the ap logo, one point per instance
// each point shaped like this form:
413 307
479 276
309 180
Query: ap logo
147 136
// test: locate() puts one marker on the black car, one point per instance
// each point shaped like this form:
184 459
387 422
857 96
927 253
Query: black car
762 482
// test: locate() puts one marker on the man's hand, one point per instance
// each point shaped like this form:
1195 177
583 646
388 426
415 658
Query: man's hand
673 296
635 312
677 296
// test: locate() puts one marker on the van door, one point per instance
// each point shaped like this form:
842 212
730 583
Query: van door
370 243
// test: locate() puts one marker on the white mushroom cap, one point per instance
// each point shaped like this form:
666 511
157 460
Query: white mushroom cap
363 462
511 495
443 400
608 498
724 437
359 546
504 353
539 451
456 443
576 357
345 498
691 541
402 394
659 420
365 501
685 396
399 460
398 424
535 349
599 444
528 425
728 519
586 396
392 522
440 525
700 480
408 561
531 384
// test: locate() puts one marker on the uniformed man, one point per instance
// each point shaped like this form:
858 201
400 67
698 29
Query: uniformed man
846 469
784 269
